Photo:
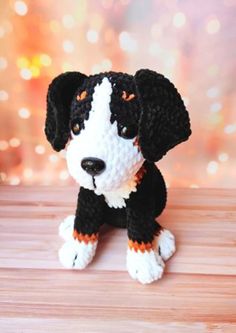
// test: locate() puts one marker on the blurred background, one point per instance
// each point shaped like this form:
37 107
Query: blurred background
192 43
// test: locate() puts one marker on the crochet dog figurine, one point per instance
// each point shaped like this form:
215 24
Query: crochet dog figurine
116 126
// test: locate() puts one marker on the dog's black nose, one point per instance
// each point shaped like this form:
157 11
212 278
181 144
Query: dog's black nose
93 166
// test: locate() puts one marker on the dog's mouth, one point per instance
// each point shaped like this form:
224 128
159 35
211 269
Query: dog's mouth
94 184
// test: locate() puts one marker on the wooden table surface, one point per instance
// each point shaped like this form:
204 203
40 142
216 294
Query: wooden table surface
196 294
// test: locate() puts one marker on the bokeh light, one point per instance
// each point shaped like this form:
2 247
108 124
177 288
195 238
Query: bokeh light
193 48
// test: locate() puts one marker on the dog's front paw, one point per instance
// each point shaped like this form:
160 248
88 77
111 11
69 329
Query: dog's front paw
77 254
66 228
146 266
166 244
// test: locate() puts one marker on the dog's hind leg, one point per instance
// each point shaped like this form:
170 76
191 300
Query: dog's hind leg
165 240
165 243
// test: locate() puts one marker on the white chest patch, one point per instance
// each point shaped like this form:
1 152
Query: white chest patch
100 139
116 198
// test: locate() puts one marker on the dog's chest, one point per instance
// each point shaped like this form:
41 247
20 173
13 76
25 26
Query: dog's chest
116 198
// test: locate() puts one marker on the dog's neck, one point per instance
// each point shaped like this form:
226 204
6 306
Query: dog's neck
116 198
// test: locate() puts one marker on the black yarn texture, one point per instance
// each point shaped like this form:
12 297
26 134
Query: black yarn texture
156 115
164 120
59 97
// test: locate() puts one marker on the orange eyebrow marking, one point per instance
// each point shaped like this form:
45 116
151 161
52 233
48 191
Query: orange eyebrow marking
126 97
82 95
85 237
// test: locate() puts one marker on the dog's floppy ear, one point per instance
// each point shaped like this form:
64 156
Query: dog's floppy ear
59 97
164 121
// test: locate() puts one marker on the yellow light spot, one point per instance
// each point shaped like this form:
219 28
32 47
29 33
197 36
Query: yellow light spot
35 71
22 62
39 149
194 186
216 119
45 60
179 20
213 70
223 157
14 180
213 26
28 173
14 142
54 26
36 61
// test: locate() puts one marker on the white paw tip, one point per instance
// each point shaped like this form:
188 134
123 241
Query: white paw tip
66 228
166 243
75 254
145 267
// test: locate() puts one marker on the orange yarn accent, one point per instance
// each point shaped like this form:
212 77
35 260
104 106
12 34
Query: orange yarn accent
136 143
126 97
140 247
82 96
139 175
85 237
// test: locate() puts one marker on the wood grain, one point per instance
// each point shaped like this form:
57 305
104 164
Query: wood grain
196 294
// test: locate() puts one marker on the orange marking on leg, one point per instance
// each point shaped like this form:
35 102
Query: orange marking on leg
142 247
85 237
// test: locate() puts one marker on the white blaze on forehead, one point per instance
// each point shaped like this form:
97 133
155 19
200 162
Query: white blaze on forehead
100 114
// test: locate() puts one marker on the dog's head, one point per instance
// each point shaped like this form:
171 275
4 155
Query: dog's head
113 122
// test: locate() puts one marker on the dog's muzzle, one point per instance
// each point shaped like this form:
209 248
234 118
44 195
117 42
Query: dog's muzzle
93 166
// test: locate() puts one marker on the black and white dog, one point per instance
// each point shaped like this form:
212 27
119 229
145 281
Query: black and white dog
116 126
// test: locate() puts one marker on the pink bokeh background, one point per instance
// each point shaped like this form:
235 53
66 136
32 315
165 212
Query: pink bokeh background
192 43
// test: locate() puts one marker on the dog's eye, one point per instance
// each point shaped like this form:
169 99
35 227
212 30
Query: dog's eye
82 95
76 129
127 97
128 133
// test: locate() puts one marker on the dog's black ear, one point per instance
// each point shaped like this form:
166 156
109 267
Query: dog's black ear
164 121
59 97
